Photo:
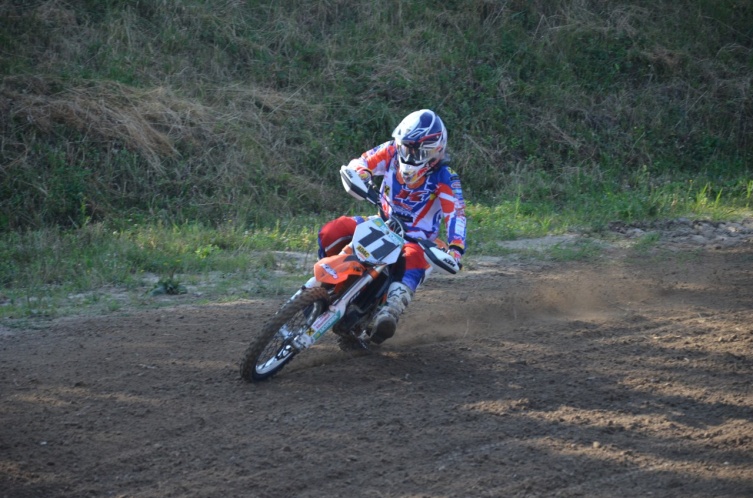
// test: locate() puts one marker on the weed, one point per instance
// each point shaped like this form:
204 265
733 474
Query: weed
169 286
646 242
580 250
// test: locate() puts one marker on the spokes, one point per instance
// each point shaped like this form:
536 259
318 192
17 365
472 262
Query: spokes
300 322
282 354
285 332
279 350
276 343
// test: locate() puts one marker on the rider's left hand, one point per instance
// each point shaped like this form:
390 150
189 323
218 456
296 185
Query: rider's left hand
457 255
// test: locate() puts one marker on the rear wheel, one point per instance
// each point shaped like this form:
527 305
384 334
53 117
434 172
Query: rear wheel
271 348
351 330
350 344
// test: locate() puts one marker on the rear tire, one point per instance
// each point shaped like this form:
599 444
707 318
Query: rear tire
351 345
270 350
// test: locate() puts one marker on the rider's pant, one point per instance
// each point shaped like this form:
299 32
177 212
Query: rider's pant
336 234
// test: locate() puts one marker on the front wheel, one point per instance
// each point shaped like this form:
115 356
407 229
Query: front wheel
270 349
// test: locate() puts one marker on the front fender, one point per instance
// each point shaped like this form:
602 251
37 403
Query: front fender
336 269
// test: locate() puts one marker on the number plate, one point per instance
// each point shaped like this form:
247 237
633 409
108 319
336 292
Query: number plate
375 243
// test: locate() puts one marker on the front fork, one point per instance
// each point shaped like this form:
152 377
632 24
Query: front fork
336 310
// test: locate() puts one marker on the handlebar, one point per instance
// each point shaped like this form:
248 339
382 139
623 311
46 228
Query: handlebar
363 190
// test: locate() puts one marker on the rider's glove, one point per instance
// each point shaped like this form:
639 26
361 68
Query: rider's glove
365 175
457 255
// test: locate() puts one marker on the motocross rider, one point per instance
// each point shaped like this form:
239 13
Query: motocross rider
423 190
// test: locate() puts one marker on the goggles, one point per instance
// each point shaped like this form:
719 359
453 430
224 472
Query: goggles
413 154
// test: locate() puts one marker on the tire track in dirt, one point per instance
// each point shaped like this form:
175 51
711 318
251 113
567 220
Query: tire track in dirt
625 376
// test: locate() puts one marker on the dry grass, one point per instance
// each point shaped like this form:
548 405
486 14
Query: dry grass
145 122
244 110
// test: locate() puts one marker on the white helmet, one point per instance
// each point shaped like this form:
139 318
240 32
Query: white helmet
421 140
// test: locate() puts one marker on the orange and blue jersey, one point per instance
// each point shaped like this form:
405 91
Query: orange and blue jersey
436 198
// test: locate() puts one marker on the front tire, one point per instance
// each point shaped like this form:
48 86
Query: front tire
270 349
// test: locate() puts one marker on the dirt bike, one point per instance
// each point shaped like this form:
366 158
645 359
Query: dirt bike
345 292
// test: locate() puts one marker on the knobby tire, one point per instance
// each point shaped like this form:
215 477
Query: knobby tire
267 344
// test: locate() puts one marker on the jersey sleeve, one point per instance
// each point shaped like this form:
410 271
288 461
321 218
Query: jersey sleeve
374 162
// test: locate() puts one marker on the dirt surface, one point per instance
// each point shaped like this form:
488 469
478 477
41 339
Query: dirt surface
625 375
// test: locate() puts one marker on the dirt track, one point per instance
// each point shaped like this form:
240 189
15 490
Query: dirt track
631 376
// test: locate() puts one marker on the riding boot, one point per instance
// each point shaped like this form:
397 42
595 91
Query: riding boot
385 321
